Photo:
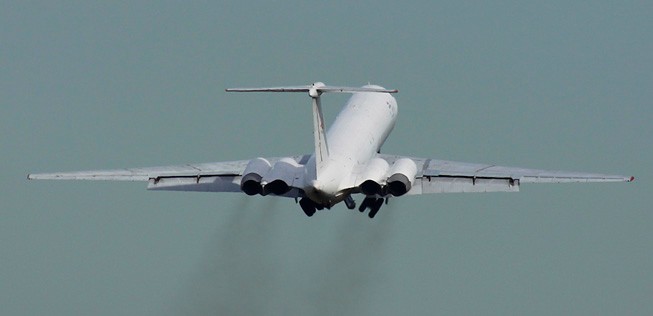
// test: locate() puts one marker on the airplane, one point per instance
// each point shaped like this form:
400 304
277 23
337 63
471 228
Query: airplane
346 161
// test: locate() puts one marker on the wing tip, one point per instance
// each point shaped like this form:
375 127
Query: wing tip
36 176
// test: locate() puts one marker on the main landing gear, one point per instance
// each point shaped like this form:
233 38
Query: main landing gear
373 203
309 207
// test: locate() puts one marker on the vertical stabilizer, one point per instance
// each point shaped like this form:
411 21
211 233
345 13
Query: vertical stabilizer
314 91
319 134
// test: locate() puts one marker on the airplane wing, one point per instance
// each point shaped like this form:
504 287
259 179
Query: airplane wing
205 177
441 176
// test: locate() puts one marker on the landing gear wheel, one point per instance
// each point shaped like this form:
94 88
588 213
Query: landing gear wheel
349 201
374 208
365 204
307 206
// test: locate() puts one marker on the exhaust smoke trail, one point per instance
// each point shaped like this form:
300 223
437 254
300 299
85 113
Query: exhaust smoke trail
267 257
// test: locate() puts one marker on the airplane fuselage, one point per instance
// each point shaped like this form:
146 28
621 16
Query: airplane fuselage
354 138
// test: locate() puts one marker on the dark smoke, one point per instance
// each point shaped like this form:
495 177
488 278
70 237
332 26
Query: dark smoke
268 258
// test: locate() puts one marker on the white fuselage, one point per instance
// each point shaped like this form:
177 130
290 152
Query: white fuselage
354 138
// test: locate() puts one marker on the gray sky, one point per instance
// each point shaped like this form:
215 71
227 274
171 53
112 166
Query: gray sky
553 85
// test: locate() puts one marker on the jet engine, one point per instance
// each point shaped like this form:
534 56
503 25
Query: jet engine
373 177
280 179
256 169
402 176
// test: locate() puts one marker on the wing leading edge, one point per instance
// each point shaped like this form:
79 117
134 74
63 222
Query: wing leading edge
441 176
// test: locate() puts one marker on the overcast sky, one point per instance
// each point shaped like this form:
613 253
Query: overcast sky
553 85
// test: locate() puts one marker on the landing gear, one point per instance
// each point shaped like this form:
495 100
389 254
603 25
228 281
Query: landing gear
308 206
374 208
373 203
364 204
349 201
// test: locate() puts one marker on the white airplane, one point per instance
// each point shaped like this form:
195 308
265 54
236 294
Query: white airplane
346 161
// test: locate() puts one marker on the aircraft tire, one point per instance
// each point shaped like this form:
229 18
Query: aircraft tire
374 208
307 206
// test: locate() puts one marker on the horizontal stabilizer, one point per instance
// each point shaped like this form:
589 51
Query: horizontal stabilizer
318 87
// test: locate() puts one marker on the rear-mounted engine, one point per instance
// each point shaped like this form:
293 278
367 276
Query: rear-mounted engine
280 179
254 172
402 176
373 177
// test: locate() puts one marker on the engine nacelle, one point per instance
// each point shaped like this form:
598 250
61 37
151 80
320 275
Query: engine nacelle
402 176
256 169
281 177
373 176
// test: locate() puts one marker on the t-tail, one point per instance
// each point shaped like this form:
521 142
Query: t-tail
314 91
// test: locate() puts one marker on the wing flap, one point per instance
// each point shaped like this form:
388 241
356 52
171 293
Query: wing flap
228 183
205 184
453 169
428 185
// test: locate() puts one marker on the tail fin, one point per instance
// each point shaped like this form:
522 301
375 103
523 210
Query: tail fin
319 134
314 91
